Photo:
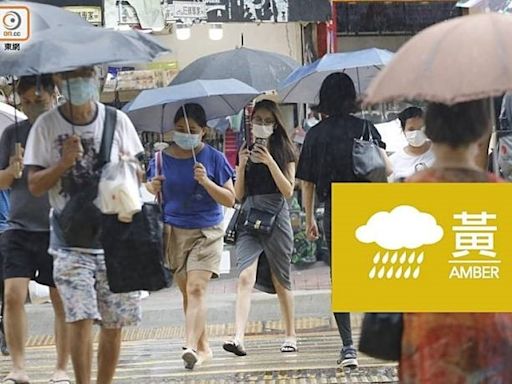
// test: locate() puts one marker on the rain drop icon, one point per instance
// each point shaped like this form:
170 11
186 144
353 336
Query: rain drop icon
373 272
416 272
385 258
394 258
421 258
412 257
389 275
399 273
402 259
407 273
381 272
376 258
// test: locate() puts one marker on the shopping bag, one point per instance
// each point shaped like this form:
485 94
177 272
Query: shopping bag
134 251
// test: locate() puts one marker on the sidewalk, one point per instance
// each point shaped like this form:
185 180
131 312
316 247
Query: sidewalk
164 308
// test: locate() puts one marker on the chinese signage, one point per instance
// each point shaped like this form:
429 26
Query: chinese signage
220 11
91 14
422 247
185 10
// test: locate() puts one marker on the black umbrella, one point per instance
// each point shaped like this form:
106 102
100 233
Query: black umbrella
261 70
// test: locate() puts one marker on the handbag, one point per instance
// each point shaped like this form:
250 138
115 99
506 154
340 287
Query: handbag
259 221
381 335
134 252
80 219
232 230
367 160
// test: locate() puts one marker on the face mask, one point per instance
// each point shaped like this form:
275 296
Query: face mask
186 141
311 122
416 138
80 90
35 110
262 131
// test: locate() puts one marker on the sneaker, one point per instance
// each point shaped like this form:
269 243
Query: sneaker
3 344
348 357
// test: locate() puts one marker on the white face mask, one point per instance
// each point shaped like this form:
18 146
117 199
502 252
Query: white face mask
262 131
416 138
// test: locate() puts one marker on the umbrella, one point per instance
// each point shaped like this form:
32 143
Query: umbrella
7 116
463 59
43 16
261 70
303 85
154 110
66 48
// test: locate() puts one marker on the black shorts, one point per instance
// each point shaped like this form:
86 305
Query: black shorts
26 255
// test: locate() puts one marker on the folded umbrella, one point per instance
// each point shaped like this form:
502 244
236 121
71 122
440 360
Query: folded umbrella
303 84
154 110
66 48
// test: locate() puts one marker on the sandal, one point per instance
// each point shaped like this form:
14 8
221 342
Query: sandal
289 347
190 358
235 347
14 381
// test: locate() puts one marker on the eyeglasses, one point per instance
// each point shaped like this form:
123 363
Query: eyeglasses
257 120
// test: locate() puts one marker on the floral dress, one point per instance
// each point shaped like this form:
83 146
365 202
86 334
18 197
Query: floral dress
456 348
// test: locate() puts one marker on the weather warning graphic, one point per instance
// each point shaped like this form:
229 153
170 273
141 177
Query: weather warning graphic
421 247
404 228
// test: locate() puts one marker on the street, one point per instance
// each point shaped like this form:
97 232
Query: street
151 353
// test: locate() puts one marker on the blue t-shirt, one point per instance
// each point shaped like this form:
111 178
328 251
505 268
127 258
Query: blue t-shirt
4 209
186 203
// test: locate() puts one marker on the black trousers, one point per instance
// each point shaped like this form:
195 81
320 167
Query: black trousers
342 318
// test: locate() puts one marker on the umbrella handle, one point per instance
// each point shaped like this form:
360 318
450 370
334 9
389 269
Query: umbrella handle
189 132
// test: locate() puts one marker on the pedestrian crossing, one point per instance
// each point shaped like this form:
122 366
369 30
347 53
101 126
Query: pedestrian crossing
157 360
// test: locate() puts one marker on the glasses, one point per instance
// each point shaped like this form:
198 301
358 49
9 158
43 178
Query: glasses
259 121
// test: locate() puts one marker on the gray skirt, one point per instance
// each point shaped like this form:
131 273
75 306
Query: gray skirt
273 251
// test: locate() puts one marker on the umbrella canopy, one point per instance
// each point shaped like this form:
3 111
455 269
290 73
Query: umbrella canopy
43 16
154 110
261 70
7 116
459 60
303 85
68 47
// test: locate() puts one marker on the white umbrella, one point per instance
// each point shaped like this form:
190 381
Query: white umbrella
7 116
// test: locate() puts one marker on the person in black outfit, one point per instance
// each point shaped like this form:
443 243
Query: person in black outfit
326 157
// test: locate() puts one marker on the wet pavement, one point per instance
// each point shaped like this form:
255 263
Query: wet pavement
153 356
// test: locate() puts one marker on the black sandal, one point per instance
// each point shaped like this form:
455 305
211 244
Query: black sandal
234 347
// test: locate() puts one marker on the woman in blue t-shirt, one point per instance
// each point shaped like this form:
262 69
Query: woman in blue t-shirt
192 197
265 179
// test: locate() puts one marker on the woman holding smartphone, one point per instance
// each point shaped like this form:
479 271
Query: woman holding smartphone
265 179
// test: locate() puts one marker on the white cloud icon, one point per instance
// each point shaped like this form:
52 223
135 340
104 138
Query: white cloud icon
403 227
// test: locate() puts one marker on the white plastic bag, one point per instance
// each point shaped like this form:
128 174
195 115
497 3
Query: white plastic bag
118 190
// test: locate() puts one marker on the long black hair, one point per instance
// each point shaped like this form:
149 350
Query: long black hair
337 95
280 145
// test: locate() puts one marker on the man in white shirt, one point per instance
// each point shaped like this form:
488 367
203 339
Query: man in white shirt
417 155
64 159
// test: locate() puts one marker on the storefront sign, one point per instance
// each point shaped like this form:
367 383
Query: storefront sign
91 14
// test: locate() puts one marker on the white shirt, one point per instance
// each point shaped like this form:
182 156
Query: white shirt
51 129
405 165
